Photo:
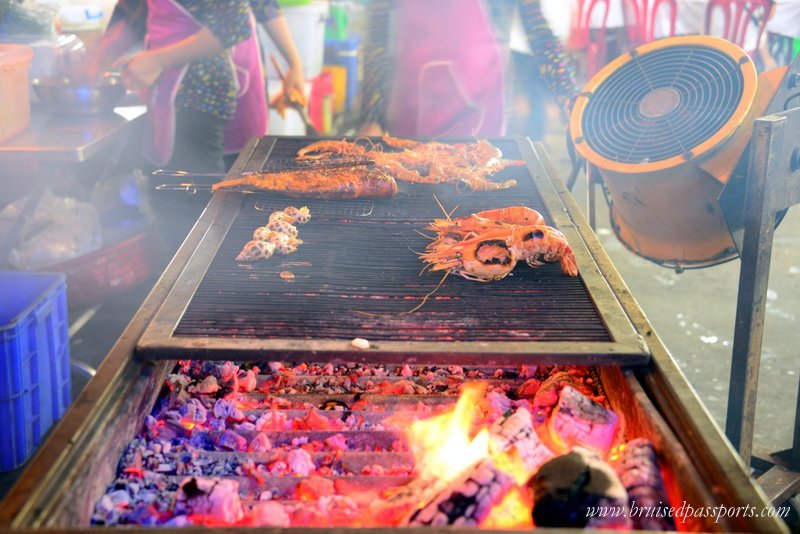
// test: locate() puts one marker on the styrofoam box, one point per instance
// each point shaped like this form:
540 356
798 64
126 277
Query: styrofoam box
35 380
307 26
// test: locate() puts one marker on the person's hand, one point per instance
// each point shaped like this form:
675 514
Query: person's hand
140 71
294 87
370 129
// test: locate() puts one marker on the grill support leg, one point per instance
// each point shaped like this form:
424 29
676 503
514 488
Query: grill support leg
772 186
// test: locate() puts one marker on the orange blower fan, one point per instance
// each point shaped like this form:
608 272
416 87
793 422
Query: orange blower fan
666 126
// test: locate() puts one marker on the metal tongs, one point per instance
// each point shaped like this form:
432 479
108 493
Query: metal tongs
272 166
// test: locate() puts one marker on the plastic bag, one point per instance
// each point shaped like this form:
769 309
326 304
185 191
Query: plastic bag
61 229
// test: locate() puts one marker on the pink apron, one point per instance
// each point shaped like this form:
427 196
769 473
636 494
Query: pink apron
167 23
448 80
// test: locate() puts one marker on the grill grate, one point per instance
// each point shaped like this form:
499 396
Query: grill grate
346 267
662 104
340 208
358 275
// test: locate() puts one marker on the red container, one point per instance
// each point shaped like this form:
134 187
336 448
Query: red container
112 269
321 92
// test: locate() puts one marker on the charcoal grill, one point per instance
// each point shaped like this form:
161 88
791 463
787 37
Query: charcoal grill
77 463
358 271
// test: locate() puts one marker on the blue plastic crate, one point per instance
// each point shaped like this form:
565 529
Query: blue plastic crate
35 388
346 54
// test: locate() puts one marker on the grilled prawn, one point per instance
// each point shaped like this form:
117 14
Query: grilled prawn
432 162
451 230
492 255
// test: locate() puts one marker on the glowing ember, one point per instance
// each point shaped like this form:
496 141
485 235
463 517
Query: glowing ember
315 445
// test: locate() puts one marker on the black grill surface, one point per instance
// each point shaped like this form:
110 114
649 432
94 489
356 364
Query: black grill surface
358 271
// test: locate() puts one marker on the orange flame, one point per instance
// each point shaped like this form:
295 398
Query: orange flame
512 512
442 446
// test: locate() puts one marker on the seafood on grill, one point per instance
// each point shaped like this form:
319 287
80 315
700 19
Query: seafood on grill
256 250
278 235
452 230
335 182
493 254
467 164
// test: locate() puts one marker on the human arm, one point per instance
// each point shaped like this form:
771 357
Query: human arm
222 25
143 69
375 87
125 30
278 31
552 63
269 14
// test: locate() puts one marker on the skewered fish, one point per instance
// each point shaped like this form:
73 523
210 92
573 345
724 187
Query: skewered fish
359 181
467 164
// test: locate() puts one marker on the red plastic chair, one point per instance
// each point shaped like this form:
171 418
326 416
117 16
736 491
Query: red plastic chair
739 17
641 18
582 41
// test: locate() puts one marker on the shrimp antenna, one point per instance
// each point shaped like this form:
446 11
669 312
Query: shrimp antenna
412 310
441 207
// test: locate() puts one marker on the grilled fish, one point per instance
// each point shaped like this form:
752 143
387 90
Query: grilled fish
359 181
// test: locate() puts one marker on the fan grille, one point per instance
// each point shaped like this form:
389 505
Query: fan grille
662 104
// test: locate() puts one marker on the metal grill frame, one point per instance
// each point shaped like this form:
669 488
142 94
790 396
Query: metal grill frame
626 346
72 468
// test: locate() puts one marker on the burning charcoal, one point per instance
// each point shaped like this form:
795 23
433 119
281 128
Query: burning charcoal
248 382
527 371
548 393
578 420
208 386
218 498
468 501
143 514
232 441
269 514
336 442
194 411
515 431
272 420
529 388
637 466
300 462
260 443
569 490
314 487
227 410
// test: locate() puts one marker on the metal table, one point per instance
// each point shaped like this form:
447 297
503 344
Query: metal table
56 138
61 139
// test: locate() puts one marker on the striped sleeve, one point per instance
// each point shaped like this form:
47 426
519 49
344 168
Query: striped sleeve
552 63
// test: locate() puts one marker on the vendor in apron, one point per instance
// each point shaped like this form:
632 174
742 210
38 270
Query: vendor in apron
439 71
202 75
